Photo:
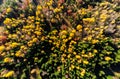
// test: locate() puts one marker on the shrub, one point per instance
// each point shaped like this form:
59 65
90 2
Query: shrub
57 40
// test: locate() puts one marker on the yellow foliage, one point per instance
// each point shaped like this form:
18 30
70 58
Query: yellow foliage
79 27
9 74
7 60
107 58
2 47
